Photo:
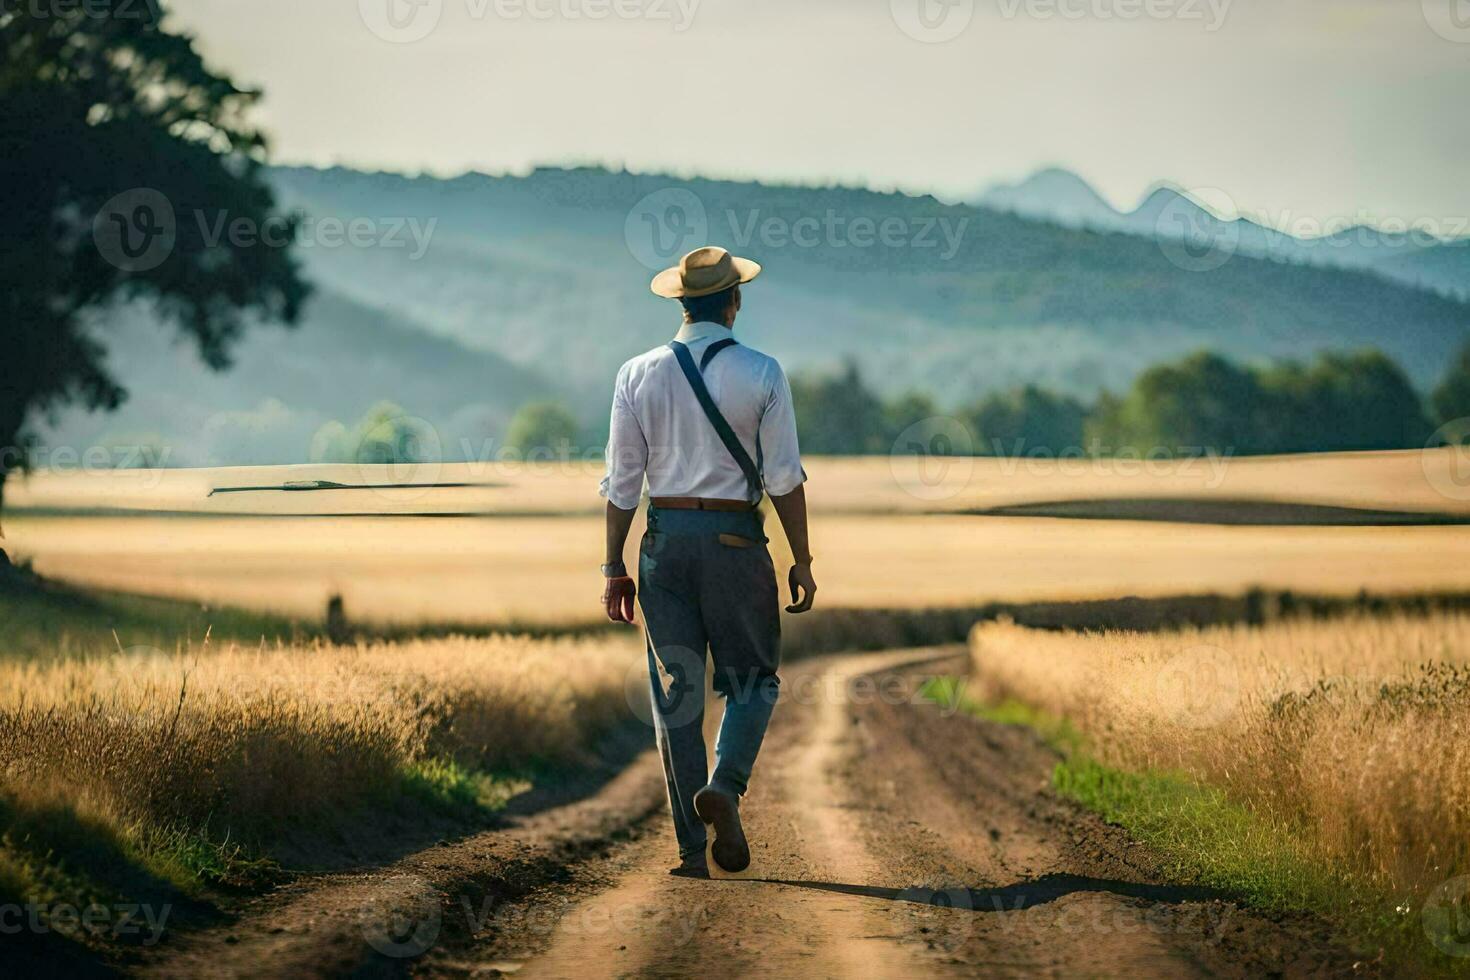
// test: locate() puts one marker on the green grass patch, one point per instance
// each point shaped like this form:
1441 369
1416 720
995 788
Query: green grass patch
189 859
447 786
1206 838
951 692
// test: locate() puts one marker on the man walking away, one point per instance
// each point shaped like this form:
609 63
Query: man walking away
710 424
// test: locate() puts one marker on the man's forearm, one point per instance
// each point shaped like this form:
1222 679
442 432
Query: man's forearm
791 509
619 523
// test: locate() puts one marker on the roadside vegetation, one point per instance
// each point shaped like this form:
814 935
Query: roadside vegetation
162 775
165 752
1316 765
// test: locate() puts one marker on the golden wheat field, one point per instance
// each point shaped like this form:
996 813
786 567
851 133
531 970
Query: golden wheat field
885 534
209 763
544 570
145 745
1352 736
1428 481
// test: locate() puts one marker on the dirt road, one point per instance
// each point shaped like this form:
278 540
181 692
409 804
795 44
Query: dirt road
888 840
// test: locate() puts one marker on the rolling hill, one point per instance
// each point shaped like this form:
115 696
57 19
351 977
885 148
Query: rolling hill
539 270
537 286
340 361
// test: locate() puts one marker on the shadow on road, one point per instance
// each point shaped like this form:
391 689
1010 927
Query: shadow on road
1014 897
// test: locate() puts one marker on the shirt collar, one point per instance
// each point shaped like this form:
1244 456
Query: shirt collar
691 333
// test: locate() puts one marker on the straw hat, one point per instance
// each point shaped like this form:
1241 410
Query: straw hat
703 272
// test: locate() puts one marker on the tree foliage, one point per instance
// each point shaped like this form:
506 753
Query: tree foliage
1204 403
1200 404
1341 402
121 153
839 414
385 434
1451 400
1011 423
542 426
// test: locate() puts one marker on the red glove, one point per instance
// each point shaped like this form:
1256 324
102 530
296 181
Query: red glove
618 597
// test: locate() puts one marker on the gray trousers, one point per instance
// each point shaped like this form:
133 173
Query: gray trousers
705 579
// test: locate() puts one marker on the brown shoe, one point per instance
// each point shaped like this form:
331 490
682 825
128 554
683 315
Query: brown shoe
721 810
693 866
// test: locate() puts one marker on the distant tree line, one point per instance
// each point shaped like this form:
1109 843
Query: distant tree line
1203 403
386 433
1451 400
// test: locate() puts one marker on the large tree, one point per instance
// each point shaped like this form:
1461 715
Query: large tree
129 171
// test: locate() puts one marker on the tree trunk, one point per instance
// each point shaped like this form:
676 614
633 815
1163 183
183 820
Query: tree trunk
15 402
4 555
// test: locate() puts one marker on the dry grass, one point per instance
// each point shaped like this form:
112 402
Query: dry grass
1352 737
868 485
249 745
284 553
544 570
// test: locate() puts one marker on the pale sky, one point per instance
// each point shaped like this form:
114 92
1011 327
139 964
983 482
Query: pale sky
1295 109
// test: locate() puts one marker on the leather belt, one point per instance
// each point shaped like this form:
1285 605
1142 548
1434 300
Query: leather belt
700 503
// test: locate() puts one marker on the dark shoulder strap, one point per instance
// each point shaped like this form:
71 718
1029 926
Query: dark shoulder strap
716 419
713 350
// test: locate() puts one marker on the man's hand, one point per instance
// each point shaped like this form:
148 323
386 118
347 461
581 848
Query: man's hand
801 579
618 597
791 508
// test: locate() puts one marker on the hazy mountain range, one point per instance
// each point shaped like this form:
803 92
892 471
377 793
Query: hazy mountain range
460 299
285 385
1439 261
